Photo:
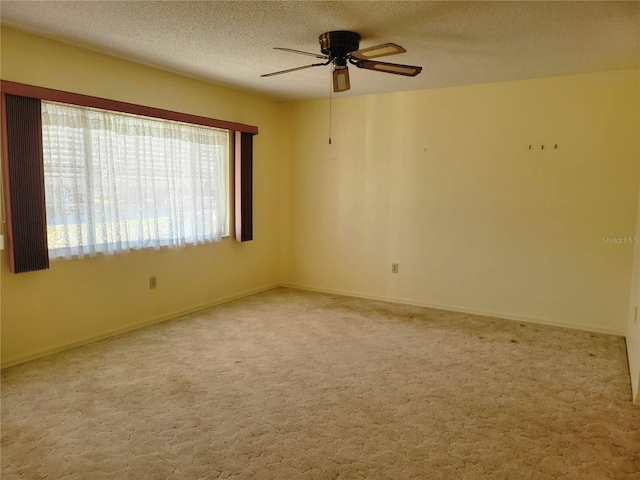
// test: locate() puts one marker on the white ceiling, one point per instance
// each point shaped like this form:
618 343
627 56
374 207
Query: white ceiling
458 43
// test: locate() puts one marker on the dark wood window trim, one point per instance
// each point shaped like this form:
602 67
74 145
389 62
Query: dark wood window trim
52 95
26 213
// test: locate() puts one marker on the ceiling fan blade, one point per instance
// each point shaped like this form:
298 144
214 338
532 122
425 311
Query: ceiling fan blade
395 68
378 51
290 50
292 70
341 80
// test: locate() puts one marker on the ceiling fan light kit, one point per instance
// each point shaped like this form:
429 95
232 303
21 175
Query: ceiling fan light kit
340 48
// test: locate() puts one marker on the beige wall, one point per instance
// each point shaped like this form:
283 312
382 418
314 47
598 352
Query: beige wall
440 181
79 300
443 183
633 324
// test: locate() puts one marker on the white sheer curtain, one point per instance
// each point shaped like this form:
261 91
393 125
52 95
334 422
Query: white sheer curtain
116 182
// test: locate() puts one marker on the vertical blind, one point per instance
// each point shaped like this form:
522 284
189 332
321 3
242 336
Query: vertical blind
24 178
244 186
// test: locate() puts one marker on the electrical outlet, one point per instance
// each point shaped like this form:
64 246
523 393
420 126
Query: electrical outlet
394 268
152 282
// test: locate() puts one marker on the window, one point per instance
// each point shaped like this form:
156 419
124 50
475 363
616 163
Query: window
116 182
24 179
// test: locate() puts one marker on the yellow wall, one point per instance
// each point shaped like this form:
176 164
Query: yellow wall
443 183
440 181
79 300
633 324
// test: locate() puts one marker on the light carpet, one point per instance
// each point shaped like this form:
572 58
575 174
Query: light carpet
289 384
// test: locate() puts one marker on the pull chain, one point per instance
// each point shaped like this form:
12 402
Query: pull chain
330 96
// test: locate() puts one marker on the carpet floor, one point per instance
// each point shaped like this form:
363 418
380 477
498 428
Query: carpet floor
289 384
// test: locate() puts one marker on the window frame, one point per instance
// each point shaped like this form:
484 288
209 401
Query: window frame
241 135
43 93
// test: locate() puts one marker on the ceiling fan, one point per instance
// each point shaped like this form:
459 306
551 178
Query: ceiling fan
340 48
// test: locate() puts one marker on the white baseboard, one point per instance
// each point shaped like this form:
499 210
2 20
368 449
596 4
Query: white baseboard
517 318
179 313
112 333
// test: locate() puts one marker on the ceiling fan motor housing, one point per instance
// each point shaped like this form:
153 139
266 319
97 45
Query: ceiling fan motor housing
341 47
338 44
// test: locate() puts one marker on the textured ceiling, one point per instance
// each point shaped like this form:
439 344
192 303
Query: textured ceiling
457 43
